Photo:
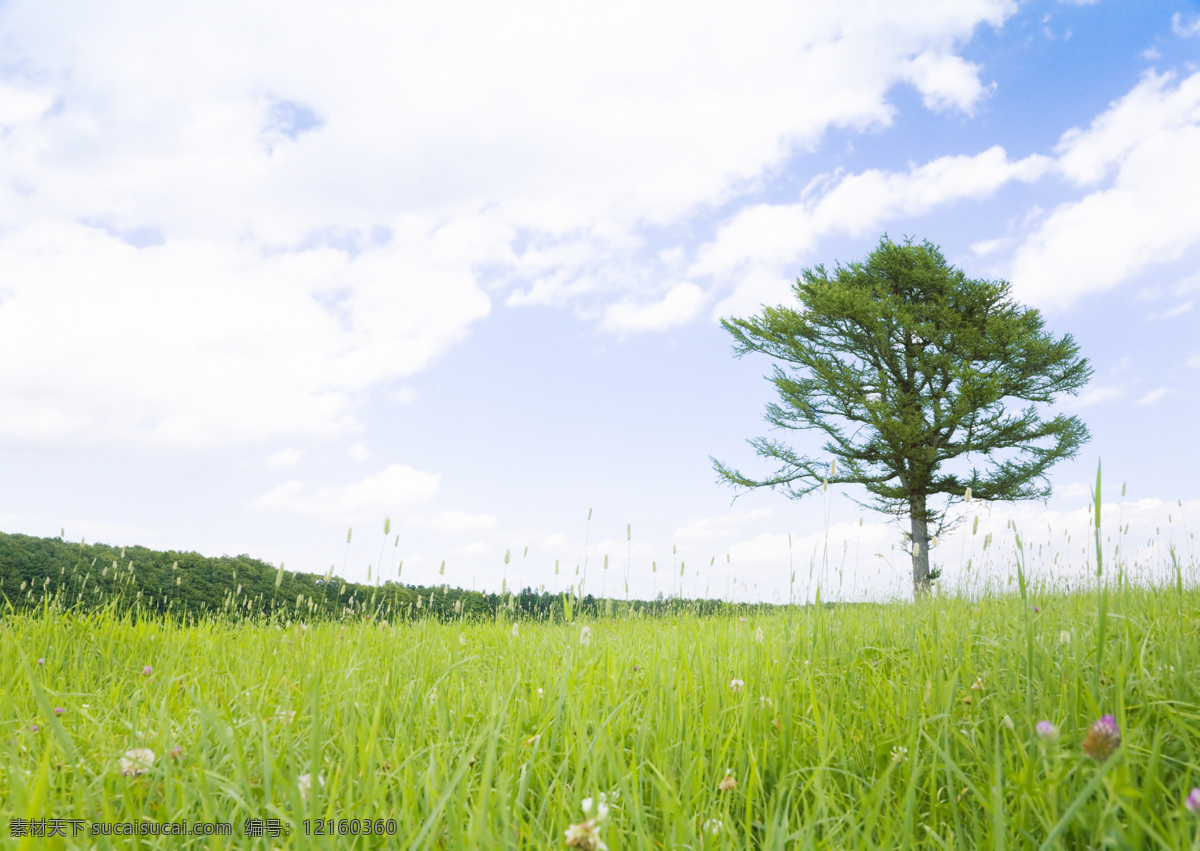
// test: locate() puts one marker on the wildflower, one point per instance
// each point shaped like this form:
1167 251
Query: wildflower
462 639
601 807
743 620
33 727
899 754
758 634
87 706
977 685
727 782
737 684
764 702
137 761
42 660
304 783
177 752
1193 800
1064 637
147 671
712 826
585 636
585 835
58 710
1046 731
1103 738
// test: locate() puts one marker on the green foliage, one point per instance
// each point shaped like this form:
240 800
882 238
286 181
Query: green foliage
912 371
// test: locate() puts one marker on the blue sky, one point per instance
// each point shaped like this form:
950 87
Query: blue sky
270 273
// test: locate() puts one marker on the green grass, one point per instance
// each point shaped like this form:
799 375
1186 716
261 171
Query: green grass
495 742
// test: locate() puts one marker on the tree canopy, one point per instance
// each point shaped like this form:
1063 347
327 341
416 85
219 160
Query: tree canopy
915 375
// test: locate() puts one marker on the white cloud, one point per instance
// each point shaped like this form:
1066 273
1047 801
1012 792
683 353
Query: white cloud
1094 396
1156 395
773 237
208 251
1184 30
19 104
681 303
989 246
200 343
284 459
456 521
395 490
358 452
1178 310
946 81
1147 216
705 530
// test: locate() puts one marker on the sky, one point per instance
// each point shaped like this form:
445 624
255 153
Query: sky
273 272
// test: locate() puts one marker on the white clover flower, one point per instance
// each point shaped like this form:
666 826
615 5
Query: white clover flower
899 754
712 826
736 684
137 761
585 835
304 783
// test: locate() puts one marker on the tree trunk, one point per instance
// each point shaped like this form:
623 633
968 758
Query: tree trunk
920 547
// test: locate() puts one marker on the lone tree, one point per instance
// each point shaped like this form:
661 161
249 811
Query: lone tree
905 364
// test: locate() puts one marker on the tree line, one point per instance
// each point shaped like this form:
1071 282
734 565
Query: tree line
82 577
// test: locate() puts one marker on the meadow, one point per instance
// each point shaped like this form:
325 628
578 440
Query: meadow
903 725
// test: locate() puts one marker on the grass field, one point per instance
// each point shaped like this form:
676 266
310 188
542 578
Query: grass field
894 726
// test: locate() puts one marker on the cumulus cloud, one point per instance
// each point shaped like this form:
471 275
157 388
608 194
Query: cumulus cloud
946 81
1147 216
395 490
206 251
681 303
774 236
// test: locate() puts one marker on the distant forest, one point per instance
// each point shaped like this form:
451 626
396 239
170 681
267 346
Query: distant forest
35 572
